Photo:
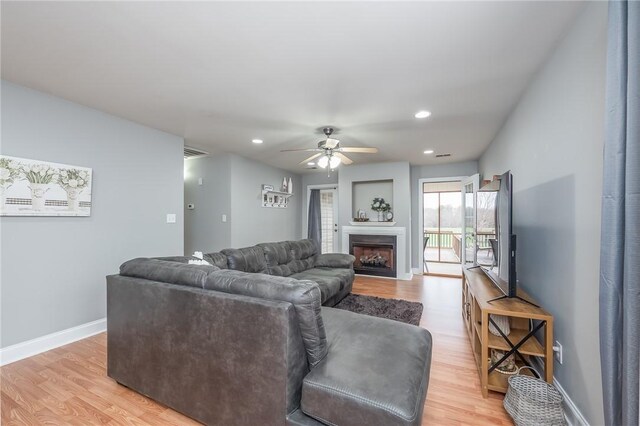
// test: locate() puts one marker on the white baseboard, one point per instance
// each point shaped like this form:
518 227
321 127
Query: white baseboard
571 412
405 276
38 345
416 271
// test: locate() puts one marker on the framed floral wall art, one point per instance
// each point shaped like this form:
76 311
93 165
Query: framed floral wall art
39 188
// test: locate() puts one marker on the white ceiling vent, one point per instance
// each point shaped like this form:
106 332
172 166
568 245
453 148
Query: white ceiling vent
443 155
190 153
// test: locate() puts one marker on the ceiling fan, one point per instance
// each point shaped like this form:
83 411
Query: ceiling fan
330 152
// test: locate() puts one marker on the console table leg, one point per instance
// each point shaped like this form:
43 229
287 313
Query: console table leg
548 345
484 354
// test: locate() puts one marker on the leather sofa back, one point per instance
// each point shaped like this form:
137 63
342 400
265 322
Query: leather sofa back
303 294
304 254
248 259
216 259
167 271
279 259
228 359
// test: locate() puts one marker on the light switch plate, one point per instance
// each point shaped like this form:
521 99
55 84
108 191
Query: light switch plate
224 217
199 181
171 218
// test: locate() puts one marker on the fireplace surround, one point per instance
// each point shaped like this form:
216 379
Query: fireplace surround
375 254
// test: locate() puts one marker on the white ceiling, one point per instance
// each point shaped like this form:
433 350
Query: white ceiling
223 73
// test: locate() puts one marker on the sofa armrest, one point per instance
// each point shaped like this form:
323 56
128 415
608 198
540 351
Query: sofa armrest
335 260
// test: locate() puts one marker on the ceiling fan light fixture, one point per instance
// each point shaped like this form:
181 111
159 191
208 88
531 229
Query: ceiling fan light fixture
323 162
334 162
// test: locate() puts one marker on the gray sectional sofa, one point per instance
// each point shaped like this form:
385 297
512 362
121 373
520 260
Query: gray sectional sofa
251 339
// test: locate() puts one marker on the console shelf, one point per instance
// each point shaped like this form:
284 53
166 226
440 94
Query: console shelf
477 291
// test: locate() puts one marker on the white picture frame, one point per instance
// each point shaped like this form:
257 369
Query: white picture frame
41 188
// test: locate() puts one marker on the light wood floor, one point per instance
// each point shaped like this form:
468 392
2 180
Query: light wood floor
68 385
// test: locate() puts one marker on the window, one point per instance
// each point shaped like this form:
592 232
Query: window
327 219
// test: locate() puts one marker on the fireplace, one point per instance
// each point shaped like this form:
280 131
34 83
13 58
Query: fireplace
375 254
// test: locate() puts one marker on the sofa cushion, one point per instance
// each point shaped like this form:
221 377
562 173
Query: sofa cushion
304 253
376 372
167 271
248 259
334 260
279 258
216 259
330 281
304 295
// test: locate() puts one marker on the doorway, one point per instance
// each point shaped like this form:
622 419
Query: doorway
442 227
328 216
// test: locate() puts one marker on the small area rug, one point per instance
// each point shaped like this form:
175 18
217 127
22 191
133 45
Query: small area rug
393 309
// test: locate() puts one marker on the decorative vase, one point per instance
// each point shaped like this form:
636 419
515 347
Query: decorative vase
502 322
381 216
72 199
37 195
290 186
284 184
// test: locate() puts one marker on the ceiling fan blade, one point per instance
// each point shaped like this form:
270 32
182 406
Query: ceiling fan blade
360 150
313 157
345 160
302 149
331 143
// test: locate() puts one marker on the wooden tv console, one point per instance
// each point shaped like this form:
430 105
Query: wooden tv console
477 291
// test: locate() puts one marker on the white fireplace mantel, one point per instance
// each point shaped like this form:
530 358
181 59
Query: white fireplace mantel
401 246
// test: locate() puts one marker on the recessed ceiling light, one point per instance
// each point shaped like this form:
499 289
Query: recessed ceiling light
311 163
256 140
429 151
422 114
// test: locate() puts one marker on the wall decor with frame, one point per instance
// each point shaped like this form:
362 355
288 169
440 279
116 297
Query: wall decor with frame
41 188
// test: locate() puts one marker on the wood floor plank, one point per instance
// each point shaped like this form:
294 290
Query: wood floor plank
69 385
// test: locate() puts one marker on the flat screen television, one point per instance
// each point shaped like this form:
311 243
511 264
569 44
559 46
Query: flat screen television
496 241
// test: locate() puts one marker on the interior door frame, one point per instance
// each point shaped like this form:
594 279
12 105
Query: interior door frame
420 236
336 211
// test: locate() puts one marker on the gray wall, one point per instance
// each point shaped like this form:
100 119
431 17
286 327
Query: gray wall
54 268
401 203
204 229
466 168
232 185
552 142
363 194
250 222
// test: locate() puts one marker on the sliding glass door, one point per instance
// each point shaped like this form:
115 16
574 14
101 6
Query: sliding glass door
442 227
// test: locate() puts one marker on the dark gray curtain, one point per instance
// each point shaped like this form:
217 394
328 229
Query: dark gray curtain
620 252
314 225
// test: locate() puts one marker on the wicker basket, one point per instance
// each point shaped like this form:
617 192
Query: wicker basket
533 402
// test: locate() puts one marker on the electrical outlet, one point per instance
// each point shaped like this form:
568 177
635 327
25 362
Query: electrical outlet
557 351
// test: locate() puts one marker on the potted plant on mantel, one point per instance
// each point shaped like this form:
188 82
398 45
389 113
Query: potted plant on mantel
382 207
